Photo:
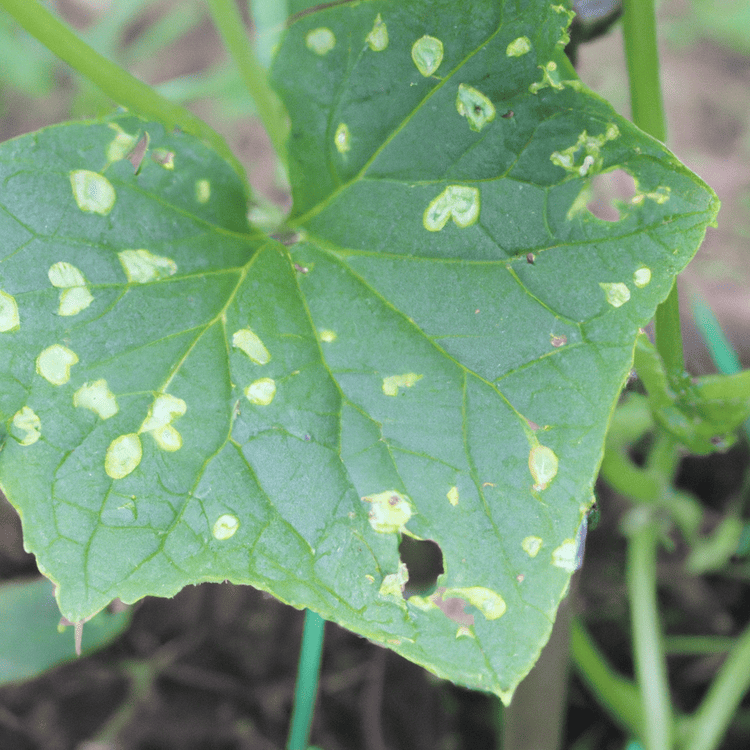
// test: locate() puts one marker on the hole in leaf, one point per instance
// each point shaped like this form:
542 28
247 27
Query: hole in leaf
609 192
424 561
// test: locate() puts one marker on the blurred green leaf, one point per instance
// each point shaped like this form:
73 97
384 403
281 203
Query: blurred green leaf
30 640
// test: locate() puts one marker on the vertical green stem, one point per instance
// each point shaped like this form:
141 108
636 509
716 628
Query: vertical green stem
306 689
115 82
228 20
650 664
647 111
707 727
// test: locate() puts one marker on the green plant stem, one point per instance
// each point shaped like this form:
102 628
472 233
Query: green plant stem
711 720
228 20
308 671
618 695
647 112
650 664
115 82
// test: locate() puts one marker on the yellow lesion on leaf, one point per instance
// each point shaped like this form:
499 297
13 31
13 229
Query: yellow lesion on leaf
158 422
27 422
249 342
543 465
123 456
92 191
261 392
377 39
75 295
226 526
320 41
142 266
390 511
98 398
427 54
459 202
392 383
487 601
54 364
9 318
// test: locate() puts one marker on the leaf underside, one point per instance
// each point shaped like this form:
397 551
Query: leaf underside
183 399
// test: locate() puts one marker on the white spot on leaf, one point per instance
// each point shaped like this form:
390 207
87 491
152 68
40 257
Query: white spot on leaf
122 144
542 465
320 41
164 158
261 391
393 584
202 191
225 527
341 139
251 344
123 455
453 495
98 398
642 277
141 266
584 156
93 192
392 383
518 47
9 319
75 296
459 202
566 556
26 421
54 364
390 511
427 54
377 39
488 602
327 335
158 422
617 294
550 77
475 107
531 545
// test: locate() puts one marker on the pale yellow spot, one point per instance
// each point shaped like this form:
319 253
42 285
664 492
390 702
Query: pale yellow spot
9 320
158 422
75 295
660 195
123 455
54 364
93 192
459 202
225 527
475 107
392 383
393 584
542 465
518 47
531 545
390 511
202 191
261 391
617 294
251 344
98 398
370 578
141 266
163 157
327 335
26 421
421 602
122 144
341 139
464 632
453 495
488 602
584 156
642 277
320 41
427 54
378 37
566 556
550 77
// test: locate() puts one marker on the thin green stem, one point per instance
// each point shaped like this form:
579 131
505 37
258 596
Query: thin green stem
711 720
228 20
618 695
647 112
650 664
308 671
115 82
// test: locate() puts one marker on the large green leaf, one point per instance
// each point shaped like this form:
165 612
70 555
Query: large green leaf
436 353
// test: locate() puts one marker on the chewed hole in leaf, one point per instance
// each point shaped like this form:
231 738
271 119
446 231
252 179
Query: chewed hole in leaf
609 194
424 561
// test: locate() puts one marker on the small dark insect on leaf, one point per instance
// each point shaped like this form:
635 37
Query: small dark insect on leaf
508 114
530 258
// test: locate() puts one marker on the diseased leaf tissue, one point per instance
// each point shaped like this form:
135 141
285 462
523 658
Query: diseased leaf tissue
179 403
